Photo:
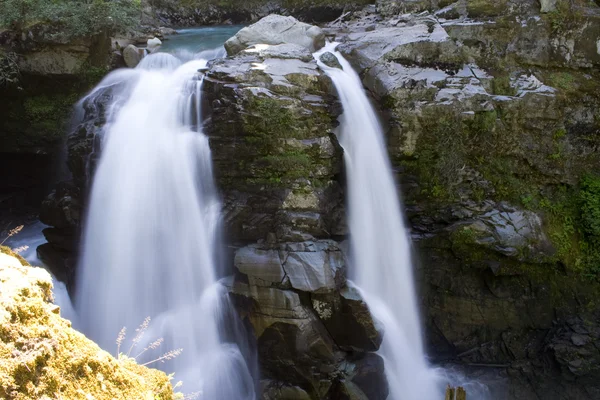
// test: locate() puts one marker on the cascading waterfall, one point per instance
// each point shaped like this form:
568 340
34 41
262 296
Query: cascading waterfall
152 230
380 247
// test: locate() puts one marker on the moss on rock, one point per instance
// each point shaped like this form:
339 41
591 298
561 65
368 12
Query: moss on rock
42 357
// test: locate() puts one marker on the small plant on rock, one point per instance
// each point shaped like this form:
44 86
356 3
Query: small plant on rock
139 335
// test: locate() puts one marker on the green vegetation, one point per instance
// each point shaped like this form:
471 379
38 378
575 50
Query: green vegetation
567 16
270 125
485 8
564 81
501 86
71 18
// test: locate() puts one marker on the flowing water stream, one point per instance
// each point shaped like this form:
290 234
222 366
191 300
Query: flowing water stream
380 246
152 231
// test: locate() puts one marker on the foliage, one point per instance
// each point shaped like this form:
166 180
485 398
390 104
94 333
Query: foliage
589 197
566 17
72 18
573 217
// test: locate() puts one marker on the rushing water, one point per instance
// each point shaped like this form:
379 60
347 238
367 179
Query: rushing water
152 230
380 247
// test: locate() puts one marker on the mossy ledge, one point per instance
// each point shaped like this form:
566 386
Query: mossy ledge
42 357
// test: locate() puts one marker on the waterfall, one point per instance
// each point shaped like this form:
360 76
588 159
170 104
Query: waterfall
381 264
152 230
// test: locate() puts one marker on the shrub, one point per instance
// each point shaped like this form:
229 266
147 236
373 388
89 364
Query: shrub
72 18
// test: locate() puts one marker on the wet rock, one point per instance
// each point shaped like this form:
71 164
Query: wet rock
132 56
262 266
330 60
277 29
348 320
315 272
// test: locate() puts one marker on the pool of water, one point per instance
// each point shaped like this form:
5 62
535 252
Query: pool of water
196 40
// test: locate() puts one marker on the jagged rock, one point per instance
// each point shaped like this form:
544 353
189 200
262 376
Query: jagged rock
277 29
43 357
132 56
263 267
348 320
61 208
315 272
422 42
274 151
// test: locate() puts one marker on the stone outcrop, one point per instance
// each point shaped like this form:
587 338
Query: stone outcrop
277 160
275 30
486 105
272 115
42 357
295 299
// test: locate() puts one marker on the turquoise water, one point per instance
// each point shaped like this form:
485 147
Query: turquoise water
196 40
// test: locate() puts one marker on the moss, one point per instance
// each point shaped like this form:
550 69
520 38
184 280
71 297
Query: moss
41 356
567 16
269 125
564 81
501 86
486 8
36 117
10 252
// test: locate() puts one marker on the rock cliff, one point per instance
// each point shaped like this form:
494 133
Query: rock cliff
491 110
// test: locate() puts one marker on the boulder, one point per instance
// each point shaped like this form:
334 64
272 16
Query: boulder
132 56
277 29
315 272
153 44
330 60
43 357
263 267
348 319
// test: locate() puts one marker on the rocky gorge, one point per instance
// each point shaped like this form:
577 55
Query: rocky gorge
491 114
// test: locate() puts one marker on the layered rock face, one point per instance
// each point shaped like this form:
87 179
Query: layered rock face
490 112
42 357
272 115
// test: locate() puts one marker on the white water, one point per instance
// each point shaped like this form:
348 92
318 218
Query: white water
380 247
152 232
